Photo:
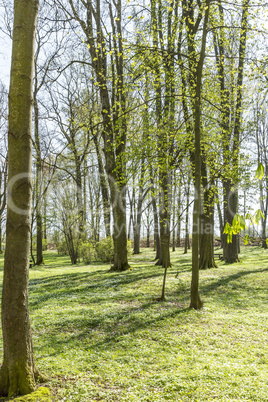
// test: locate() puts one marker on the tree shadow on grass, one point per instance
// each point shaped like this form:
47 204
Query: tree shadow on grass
112 327
69 285
222 282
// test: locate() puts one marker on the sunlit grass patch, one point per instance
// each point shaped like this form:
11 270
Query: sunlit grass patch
102 336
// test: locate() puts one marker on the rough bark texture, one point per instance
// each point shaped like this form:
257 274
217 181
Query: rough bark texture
207 241
18 371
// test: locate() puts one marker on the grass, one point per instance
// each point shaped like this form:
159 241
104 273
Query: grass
102 336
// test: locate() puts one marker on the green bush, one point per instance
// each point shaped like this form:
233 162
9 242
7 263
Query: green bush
105 250
44 244
129 247
62 248
86 252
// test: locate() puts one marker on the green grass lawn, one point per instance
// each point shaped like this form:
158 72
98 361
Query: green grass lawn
102 336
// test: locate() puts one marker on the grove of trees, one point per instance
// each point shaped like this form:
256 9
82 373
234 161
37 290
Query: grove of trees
149 121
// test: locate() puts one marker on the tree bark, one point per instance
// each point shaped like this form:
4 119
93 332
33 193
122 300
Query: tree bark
207 221
18 372
196 301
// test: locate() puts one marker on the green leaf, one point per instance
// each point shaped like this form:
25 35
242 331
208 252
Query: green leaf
259 172
242 222
236 220
226 228
258 216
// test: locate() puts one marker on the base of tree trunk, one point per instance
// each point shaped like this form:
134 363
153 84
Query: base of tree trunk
264 244
160 299
121 268
197 304
207 264
231 260
160 263
19 380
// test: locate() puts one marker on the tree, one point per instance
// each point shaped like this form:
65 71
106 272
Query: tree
18 372
104 47
230 78
44 63
262 156
196 83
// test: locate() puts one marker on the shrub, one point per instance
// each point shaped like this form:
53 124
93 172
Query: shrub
105 250
44 244
62 248
86 252
129 247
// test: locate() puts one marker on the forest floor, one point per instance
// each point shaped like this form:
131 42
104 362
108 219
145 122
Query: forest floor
103 336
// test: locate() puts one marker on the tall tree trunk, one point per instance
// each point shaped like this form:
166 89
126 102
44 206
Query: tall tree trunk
207 222
207 237
187 237
119 231
178 241
104 190
220 217
79 191
18 371
137 226
45 220
174 214
196 301
39 229
156 224
230 250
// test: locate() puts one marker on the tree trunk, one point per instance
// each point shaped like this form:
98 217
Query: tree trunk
187 237
230 250
137 232
207 221
156 228
104 190
174 214
178 241
18 371
196 301
164 258
39 229
120 239
220 217
45 220
207 241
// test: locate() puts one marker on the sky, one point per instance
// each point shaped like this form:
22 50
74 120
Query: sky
5 54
